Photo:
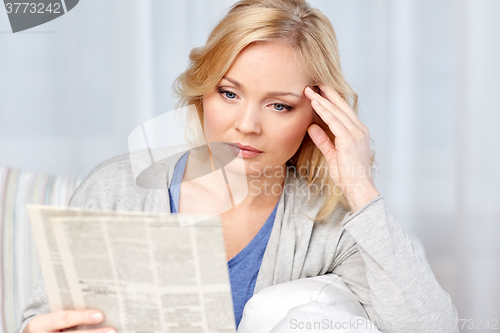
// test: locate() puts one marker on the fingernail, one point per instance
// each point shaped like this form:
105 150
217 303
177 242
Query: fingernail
309 90
111 331
97 316
315 102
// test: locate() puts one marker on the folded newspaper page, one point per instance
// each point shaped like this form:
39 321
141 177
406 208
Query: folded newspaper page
146 272
54 277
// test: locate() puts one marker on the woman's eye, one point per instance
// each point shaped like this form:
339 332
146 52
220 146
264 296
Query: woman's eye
277 106
281 107
228 94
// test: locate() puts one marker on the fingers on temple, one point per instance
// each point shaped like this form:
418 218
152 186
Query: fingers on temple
337 127
331 94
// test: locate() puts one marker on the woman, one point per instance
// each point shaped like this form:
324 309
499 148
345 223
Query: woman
269 77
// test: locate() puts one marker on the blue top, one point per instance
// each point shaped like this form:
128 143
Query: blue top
243 267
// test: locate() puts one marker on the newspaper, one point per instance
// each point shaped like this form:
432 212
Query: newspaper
55 279
145 272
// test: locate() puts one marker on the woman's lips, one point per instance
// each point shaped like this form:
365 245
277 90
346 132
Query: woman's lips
242 152
246 147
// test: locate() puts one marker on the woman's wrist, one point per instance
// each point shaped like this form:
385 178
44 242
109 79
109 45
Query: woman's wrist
359 200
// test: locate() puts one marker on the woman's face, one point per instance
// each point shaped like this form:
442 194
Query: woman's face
260 102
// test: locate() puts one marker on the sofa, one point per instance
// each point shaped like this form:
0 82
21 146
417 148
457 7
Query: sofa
19 267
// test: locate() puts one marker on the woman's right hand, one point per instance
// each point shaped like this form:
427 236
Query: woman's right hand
56 321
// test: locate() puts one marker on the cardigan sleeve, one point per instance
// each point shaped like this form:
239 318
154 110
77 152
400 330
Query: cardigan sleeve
37 304
397 290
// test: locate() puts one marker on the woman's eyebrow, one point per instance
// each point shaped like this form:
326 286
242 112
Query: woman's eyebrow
271 93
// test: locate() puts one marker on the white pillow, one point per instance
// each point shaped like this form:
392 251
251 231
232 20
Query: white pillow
322 303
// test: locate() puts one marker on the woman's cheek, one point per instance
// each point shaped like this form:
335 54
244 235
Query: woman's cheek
294 136
214 119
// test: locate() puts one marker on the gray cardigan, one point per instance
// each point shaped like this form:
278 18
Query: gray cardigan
368 249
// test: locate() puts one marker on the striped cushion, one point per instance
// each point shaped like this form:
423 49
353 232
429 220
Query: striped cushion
19 269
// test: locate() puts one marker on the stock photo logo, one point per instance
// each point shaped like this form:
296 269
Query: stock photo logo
215 178
26 15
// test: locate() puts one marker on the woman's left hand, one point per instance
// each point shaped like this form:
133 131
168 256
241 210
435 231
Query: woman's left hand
349 159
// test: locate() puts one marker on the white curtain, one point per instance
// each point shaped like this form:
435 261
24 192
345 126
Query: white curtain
427 73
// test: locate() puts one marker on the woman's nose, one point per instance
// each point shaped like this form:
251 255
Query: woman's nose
248 119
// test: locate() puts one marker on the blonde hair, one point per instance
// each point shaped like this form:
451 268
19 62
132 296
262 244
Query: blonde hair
309 32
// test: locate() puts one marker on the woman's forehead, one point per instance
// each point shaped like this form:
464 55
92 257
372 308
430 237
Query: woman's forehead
268 65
